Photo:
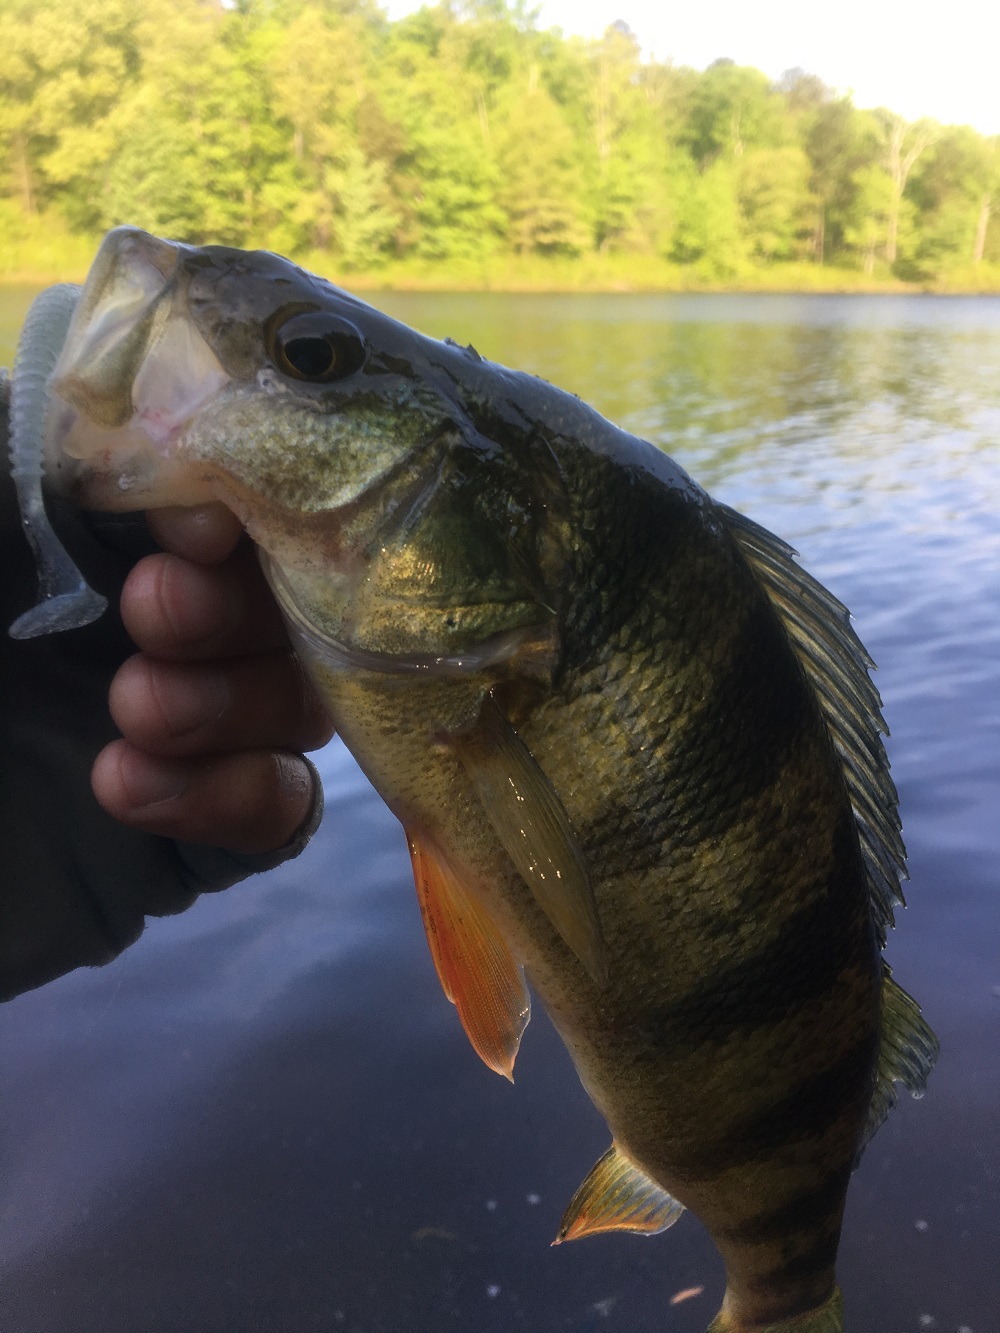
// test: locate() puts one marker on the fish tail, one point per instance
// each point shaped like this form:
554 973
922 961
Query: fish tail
826 1318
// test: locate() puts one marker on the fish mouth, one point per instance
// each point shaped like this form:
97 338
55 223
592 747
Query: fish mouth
133 372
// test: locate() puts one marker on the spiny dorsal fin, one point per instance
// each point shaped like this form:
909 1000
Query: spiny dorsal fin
618 1196
477 970
528 818
835 661
907 1051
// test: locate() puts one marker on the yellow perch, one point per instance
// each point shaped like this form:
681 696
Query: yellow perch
634 747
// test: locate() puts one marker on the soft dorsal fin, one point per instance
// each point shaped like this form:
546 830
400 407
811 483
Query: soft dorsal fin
477 970
907 1051
835 661
618 1196
528 818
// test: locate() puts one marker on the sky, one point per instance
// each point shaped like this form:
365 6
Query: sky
917 57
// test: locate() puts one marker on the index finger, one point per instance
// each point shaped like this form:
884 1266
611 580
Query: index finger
179 611
206 534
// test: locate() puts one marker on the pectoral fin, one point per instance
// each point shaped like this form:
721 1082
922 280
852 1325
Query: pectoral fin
528 818
478 972
618 1196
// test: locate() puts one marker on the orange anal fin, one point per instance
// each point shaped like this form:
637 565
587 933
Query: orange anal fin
618 1196
477 970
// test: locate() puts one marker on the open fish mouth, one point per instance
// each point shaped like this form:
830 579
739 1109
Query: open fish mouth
134 369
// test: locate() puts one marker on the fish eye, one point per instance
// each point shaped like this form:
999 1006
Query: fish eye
317 347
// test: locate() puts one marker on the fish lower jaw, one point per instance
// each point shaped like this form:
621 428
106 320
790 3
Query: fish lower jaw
118 484
134 466
125 493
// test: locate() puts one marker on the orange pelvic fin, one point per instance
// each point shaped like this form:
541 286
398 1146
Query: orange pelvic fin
477 970
618 1196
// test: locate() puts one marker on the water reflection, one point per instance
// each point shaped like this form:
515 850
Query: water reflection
265 1116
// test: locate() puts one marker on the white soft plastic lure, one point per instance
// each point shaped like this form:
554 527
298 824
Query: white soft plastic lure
65 599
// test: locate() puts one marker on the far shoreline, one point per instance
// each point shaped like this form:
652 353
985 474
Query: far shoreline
597 275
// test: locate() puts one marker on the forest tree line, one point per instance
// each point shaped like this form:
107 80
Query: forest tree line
459 136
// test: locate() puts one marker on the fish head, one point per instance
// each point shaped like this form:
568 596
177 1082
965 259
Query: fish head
349 446
238 361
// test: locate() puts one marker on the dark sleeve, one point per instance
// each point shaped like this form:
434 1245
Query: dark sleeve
75 885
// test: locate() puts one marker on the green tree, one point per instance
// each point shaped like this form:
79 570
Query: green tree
540 179
616 105
63 69
904 144
776 205
956 188
316 71
425 86
839 142
364 220
733 108
457 133
872 204
196 140
316 77
709 231
455 205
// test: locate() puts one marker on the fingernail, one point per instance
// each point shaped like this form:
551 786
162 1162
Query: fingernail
294 776
150 781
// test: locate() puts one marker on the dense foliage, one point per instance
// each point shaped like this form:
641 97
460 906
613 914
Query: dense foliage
460 136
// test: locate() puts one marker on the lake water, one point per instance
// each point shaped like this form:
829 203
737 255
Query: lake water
265 1116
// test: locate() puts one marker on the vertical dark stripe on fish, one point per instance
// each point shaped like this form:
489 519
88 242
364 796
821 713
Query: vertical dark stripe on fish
799 1212
736 742
655 539
696 774
820 1257
807 1111
800 963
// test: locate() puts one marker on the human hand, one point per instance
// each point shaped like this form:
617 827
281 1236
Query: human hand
77 883
215 705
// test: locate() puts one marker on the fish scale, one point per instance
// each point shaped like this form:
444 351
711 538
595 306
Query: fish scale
634 746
